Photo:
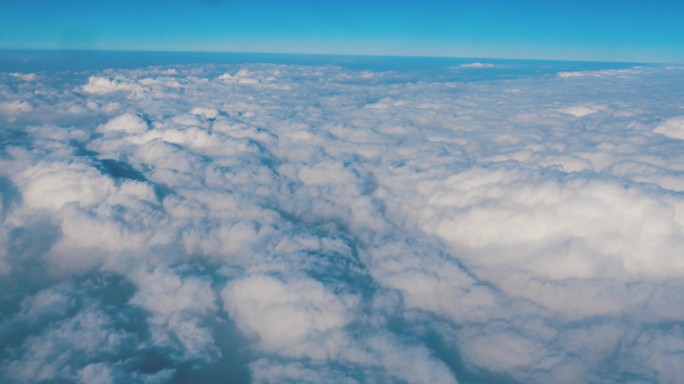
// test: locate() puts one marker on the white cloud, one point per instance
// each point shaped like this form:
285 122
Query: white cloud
95 373
15 107
98 85
476 65
242 76
580 110
318 224
673 127
24 76
599 73
56 352
165 293
570 74
54 184
286 315
207 113
128 123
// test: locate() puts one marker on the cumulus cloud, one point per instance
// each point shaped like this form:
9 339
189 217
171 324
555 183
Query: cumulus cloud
11 108
126 123
673 128
98 85
207 113
315 223
286 315
24 76
242 76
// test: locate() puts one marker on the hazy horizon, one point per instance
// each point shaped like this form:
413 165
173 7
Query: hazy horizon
341 54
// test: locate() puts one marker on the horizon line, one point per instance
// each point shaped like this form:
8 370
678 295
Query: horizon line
115 50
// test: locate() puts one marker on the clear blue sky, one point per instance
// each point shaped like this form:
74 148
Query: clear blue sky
614 30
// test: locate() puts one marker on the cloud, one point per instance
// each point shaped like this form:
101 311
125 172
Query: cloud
673 128
290 318
476 65
177 306
580 110
313 223
598 73
98 85
207 113
15 107
24 76
241 77
570 74
58 350
127 123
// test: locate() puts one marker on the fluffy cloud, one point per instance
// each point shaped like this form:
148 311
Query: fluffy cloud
98 85
127 123
24 76
476 65
673 128
287 223
598 73
286 315
12 108
580 110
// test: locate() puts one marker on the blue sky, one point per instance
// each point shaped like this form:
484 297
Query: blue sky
611 30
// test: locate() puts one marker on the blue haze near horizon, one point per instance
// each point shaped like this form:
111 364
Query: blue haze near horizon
608 30
426 68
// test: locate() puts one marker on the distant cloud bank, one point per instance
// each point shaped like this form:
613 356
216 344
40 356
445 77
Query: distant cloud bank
476 65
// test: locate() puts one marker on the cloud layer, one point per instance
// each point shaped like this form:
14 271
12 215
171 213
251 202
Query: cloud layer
286 223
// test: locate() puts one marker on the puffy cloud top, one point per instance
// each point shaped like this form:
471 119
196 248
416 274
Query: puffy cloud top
673 128
128 123
98 85
14 107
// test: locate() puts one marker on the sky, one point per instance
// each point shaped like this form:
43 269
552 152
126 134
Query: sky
608 30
